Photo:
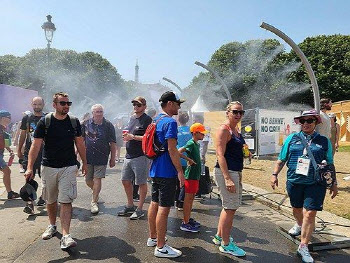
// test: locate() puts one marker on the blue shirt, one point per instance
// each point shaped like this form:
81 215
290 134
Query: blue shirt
293 148
162 166
183 136
97 141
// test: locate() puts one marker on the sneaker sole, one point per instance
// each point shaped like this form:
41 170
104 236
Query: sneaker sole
160 255
216 242
230 253
188 230
71 246
136 218
49 237
301 257
294 235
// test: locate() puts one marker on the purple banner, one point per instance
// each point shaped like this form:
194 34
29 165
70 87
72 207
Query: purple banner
16 100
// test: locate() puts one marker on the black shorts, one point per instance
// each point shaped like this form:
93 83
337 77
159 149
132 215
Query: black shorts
163 191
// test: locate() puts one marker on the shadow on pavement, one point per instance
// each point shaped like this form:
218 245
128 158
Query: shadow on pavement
101 248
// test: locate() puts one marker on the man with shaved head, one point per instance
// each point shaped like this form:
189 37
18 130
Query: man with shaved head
28 126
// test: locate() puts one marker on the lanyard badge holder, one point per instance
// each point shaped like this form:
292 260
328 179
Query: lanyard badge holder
303 164
309 153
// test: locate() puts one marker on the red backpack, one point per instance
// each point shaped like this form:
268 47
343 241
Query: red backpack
151 146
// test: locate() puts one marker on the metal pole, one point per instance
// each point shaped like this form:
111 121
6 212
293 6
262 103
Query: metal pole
303 58
216 75
172 82
48 53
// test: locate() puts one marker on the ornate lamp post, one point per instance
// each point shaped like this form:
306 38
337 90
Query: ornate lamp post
49 29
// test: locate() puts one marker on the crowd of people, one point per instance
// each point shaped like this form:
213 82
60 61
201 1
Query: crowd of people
49 144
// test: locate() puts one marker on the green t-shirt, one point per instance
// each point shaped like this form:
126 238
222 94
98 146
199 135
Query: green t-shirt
192 149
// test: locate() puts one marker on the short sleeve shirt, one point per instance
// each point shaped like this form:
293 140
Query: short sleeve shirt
293 148
33 122
136 126
183 136
59 142
97 141
193 172
324 128
162 166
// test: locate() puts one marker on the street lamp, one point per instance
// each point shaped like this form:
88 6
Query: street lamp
49 29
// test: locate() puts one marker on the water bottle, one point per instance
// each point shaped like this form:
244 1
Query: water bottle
12 156
246 154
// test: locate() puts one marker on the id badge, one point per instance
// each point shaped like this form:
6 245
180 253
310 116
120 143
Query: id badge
303 166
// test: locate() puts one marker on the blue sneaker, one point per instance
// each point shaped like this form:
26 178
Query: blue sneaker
232 249
189 228
194 223
217 240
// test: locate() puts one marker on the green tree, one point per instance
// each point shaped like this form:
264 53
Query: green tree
329 57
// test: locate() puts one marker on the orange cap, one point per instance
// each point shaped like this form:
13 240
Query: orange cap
198 127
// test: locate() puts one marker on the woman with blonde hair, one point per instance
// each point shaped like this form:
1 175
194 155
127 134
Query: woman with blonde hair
228 176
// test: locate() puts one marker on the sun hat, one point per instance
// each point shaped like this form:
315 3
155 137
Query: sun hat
308 113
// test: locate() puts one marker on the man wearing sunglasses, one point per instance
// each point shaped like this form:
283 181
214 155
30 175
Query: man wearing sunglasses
136 164
59 164
5 120
164 171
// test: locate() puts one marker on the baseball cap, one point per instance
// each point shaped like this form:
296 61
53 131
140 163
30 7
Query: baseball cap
4 113
198 127
170 96
28 191
140 100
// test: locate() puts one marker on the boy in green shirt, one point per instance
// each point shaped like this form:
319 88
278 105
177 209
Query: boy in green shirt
192 176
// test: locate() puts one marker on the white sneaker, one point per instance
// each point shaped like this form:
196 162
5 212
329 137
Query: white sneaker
49 232
303 251
167 252
152 242
94 208
295 230
67 242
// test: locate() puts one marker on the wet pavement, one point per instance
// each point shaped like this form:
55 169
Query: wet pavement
109 238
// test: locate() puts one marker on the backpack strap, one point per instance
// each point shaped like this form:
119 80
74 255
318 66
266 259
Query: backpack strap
47 121
28 121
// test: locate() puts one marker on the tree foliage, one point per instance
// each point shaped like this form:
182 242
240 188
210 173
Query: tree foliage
82 75
329 57
261 74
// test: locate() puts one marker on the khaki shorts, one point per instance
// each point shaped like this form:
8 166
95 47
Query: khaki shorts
136 169
229 200
95 171
59 184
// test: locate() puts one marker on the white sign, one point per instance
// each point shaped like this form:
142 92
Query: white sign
273 128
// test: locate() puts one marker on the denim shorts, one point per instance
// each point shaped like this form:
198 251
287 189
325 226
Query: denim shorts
311 197
3 164
163 191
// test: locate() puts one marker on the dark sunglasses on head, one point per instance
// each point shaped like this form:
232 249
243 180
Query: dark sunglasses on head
64 103
309 121
137 104
235 112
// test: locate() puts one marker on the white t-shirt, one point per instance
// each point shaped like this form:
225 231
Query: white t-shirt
324 128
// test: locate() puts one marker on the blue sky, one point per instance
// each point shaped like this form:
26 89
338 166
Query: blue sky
166 37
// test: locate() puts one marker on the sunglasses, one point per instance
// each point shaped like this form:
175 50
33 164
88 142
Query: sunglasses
137 104
64 103
235 112
309 121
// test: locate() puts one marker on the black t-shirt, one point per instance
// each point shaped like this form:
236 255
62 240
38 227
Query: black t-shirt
59 142
136 126
33 122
